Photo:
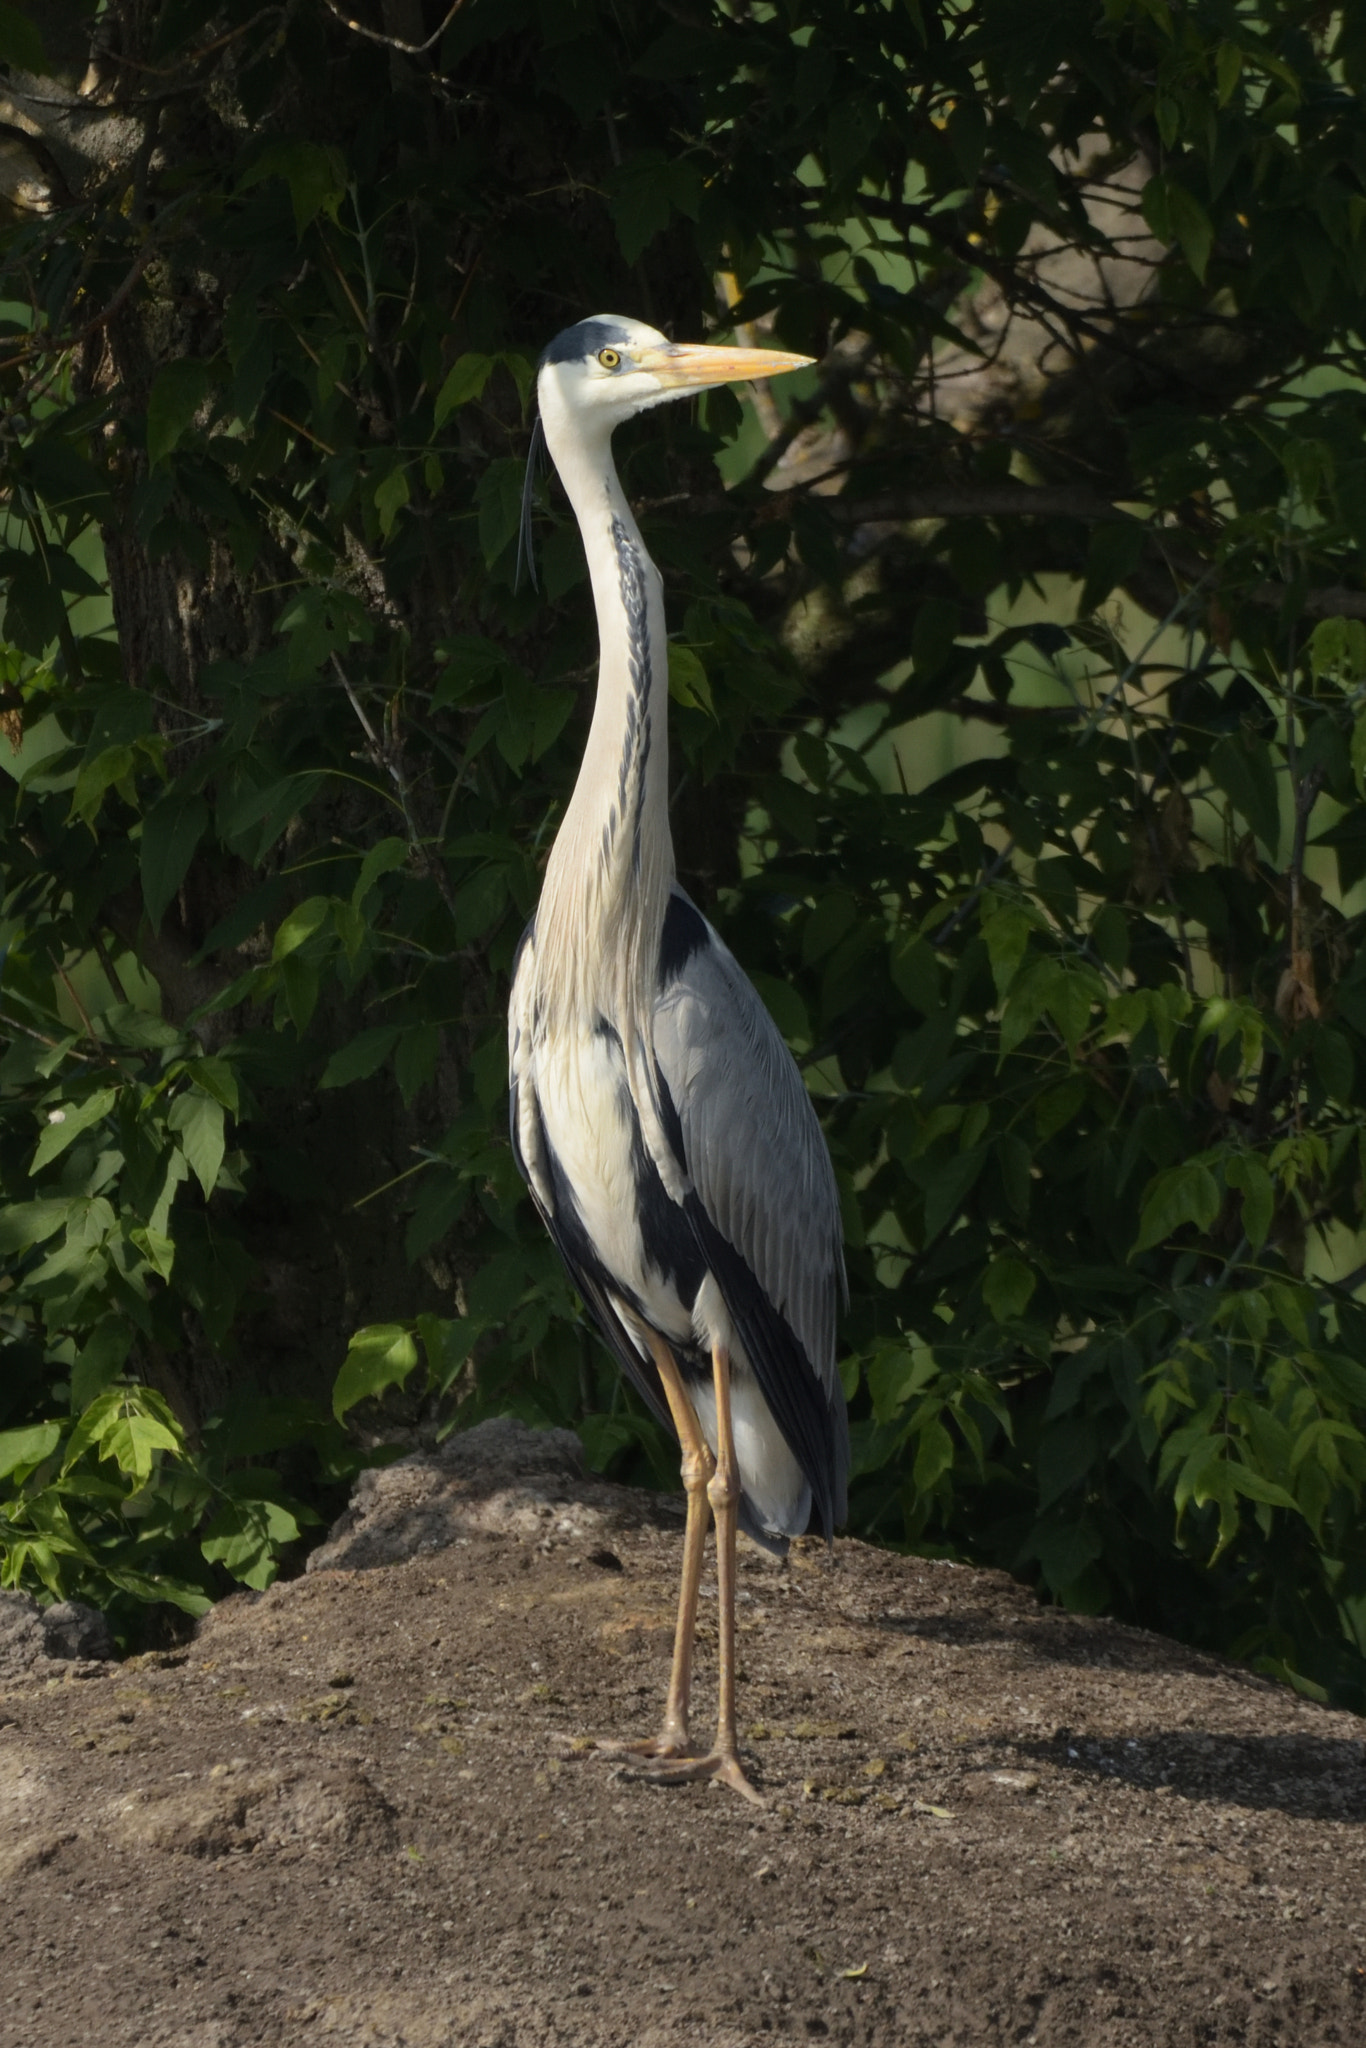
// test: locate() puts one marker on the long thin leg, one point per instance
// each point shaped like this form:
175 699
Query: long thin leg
697 1467
724 1494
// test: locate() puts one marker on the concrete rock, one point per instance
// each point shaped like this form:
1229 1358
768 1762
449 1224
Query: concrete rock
71 1629
499 1478
31 1635
21 1635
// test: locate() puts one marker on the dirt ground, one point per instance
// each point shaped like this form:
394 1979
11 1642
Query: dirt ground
352 1812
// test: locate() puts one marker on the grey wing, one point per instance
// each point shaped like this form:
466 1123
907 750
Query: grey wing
748 1138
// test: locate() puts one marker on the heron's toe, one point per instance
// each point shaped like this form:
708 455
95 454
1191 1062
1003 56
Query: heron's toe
723 1765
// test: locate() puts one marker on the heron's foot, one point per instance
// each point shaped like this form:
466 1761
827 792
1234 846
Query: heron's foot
669 1746
722 1765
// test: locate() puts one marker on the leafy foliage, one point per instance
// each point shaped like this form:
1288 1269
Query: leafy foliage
1023 755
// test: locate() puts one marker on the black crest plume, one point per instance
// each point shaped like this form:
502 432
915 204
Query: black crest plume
526 547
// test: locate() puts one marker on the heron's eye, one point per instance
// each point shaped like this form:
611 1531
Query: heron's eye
609 358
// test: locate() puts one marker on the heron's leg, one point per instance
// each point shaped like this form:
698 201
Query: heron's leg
697 1468
723 1492
698 1465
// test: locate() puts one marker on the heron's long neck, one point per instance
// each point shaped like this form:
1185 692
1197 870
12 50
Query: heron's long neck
608 877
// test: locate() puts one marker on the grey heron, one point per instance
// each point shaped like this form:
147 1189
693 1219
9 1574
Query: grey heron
657 1116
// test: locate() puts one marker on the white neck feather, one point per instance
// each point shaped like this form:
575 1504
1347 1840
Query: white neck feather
609 873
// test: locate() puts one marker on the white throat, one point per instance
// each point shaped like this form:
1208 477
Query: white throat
607 881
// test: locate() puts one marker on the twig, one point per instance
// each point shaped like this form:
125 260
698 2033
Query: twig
90 1032
373 35
990 870
191 57
990 501
106 960
765 404
807 411
58 347
386 752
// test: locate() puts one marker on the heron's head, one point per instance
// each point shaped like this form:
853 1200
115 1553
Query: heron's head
608 368
604 370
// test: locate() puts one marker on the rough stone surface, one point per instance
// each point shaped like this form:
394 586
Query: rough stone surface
71 1629
361 1811
21 1635
499 1478
34 1637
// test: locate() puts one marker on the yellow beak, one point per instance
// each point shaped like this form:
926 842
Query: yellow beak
686 365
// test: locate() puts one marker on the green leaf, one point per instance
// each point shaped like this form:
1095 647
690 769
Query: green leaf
216 1078
1067 993
178 391
439 1206
67 1122
949 1184
25 1224
415 1064
128 1425
643 194
1228 69
382 859
831 918
1242 768
23 1450
363 1057
498 497
1194 229
1071 994
97 776
100 1361
1338 644
1246 1171
198 1119
378 1357
300 926
1176 215
391 495
314 172
1006 926
550 718
1007 1286
1115 551
464 380
933 1456
1067 1450
246 1538
153 1587
1246 1479
849 132
896 1373
1359 754
300 982
1333 1063
688 679
21 46
1187 1193
171 831
156 1248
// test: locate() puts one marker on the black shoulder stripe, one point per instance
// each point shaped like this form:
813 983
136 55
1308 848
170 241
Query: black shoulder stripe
572 1244
670 1119
787 1379
685 933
